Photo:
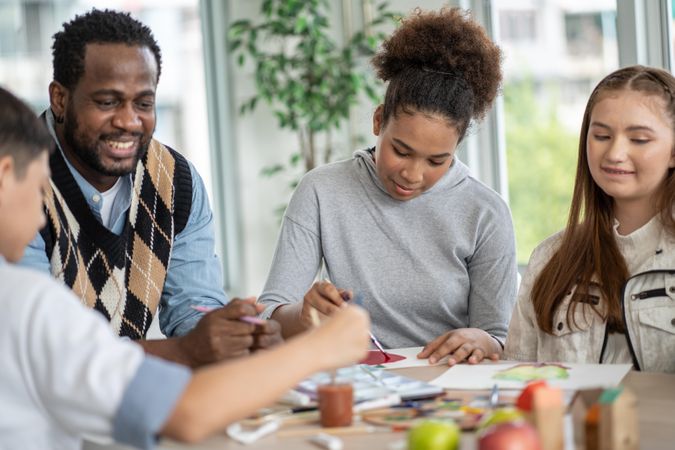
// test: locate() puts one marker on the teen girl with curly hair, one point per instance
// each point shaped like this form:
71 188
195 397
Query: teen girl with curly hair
430 248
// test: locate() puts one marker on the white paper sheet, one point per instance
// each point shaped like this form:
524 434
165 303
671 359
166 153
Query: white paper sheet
481 376
410 360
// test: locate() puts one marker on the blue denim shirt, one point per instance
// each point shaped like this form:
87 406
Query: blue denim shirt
194 276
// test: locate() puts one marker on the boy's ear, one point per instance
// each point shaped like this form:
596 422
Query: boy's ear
58 99
6 170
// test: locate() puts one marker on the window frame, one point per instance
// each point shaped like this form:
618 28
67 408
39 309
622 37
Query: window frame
643 36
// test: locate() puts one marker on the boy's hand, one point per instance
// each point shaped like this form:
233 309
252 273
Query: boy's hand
464 344
341 339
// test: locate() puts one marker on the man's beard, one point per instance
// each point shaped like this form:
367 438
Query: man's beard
88 153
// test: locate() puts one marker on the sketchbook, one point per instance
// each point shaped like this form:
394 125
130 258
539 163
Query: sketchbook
515 375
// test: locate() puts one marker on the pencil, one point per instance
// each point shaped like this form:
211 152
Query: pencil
248 319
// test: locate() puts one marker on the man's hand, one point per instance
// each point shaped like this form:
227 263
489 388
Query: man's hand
220 334
267 335
470 344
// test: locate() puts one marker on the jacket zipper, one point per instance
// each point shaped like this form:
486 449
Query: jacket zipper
649 294
623 310
604 344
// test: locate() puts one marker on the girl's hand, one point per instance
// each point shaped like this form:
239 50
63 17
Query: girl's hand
325 298
464 344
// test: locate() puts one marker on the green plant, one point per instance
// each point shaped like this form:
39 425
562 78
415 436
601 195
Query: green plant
541 162
307 78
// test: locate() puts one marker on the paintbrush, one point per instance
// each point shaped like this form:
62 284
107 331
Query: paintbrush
358 300
379 347
494 396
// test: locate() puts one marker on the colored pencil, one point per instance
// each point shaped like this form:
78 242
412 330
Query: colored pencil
248 319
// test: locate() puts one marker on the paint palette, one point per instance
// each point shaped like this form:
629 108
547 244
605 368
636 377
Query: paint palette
371 383
467 418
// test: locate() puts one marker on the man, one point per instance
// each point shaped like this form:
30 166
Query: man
129 226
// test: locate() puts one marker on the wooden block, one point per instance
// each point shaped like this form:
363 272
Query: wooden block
618 427
590 427
579 408
547 414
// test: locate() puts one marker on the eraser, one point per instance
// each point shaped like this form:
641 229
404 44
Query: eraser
327 441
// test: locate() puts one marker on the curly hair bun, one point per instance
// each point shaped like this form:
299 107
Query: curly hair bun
448 41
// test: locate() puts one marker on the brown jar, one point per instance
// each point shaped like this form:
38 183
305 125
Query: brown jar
335 405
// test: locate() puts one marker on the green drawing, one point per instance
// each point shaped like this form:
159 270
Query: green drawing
535 371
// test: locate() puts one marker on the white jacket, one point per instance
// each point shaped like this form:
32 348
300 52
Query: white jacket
648 302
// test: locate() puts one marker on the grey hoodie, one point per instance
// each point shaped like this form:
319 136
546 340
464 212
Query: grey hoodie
425 266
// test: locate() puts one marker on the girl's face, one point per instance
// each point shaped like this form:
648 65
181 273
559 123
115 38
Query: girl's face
630 145
413 152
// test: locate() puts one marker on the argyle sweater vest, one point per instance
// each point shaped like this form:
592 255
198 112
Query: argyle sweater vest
120 276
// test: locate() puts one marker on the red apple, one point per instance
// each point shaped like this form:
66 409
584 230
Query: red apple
510 436
524 401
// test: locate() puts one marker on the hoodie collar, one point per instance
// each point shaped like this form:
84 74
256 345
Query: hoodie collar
455 174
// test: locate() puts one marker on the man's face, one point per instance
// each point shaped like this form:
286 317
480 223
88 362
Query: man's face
109 115
21 205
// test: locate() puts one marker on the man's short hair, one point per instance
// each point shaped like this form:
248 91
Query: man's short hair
22 135
97 27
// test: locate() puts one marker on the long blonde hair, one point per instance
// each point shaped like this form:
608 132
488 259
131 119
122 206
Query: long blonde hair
588 253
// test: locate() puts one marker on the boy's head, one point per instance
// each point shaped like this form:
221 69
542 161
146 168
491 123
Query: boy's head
24 173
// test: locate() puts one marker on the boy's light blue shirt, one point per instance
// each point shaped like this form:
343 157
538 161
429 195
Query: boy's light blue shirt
194 275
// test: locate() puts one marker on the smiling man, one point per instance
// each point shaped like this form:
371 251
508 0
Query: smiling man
129 226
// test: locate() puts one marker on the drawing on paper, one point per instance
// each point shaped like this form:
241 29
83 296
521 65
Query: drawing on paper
375 357
534 371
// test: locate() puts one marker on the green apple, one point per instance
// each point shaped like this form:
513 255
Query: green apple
500 415
434 435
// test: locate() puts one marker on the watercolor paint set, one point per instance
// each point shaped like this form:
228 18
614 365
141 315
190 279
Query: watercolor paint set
371 383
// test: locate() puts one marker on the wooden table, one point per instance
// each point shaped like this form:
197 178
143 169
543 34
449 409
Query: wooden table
656 394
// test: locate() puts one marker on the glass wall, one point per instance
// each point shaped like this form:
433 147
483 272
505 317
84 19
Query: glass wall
555 51
26 30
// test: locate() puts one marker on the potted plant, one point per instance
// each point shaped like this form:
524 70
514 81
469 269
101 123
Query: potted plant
309 80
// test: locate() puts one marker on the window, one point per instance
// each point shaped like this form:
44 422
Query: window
584 34
547 81
26 30
516 25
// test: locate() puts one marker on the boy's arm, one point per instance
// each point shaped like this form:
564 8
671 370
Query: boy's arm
78 369
94 383
220 394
